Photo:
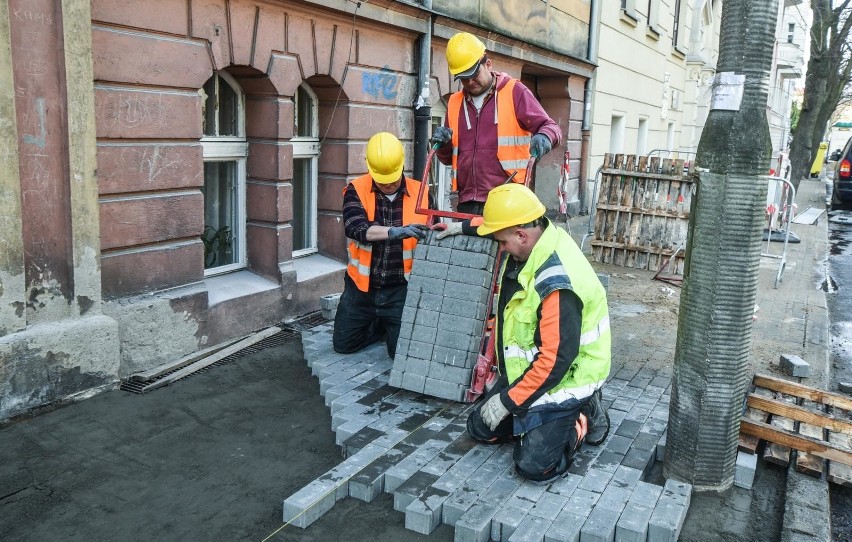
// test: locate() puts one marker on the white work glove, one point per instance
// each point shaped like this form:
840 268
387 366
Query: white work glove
447 229
493 412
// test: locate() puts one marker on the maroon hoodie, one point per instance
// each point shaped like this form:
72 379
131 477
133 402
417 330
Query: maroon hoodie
479 170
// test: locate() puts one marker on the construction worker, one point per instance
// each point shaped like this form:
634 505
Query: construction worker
382 229
493 125
552 340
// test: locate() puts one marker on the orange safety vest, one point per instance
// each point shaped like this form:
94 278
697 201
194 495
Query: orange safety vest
513 142
360 255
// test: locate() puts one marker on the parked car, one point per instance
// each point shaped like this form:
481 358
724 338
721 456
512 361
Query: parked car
841 195
835 156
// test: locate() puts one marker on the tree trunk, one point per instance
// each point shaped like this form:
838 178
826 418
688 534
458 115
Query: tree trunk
711 366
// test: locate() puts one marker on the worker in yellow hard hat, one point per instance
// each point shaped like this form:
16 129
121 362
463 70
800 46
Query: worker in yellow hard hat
382 230
493 125
552 340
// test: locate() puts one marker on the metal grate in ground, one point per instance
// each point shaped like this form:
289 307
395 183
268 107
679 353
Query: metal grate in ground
291 331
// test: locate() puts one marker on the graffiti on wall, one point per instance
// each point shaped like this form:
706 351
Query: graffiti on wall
383 83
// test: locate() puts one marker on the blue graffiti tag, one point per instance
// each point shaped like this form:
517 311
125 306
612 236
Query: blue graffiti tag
385 81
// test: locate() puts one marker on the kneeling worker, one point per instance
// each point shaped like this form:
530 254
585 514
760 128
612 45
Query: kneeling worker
552 340
382 230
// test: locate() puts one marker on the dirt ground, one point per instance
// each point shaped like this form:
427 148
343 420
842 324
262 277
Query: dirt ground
208 458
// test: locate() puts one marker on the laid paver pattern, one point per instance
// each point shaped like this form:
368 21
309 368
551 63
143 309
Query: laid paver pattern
415 447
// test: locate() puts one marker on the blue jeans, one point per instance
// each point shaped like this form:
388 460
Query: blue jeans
363 317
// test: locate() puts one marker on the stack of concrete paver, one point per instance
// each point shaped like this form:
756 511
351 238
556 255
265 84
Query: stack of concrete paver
444 315
415 447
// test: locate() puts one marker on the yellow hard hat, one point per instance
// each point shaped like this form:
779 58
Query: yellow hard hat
385 158
509 205
464 51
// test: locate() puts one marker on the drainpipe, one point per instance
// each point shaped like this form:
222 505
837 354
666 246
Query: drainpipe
422 106
588 91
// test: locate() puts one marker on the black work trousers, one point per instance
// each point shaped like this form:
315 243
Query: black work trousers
541 453
362 317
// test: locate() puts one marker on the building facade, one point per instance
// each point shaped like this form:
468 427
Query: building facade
654 98
172 170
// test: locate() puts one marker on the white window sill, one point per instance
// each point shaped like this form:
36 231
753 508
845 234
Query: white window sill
316 265
229 286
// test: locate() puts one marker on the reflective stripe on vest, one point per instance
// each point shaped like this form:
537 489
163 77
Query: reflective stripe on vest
556 262
513 142
361 254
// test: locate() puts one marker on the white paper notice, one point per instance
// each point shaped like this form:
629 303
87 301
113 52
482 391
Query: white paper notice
727 91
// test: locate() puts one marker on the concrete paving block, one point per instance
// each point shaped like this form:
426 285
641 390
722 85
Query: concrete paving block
309 503
432 301
607 461
614 498
412 488
515 510
632 526
466 324
581 503
565 485
845 387
531 529
312 501
329 302
676 487
460 341
474 277
368 484
596 480
794 365
600 525
548 506
478 483
618 444
345 387
645 493
661 448
454 357
667 518
395 379
639 459
626 477
745 469
405 469
475 524
439 254
565 528
361 439
420 349
434 270
446 390
448 372
413 382
461 307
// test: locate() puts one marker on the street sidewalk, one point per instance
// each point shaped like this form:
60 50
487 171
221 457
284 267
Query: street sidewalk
212 456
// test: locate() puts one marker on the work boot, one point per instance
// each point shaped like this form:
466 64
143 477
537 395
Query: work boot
598 419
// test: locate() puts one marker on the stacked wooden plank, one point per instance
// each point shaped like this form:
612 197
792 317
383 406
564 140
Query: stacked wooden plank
815 423
642 212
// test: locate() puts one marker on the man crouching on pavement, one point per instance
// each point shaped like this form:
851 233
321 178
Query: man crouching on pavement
552 340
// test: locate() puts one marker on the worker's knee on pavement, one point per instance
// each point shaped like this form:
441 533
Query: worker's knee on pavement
540 467
480 432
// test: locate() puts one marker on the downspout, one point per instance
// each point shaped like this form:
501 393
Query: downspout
423 104
588 91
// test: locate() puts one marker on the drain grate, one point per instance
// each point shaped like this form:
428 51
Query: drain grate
290 332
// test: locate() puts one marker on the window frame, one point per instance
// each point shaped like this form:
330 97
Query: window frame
217 148
308 147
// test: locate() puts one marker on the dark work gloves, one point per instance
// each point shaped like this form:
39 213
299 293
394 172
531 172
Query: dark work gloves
442 136
404 232
539 146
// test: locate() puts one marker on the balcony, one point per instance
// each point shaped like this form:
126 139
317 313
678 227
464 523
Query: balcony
790 60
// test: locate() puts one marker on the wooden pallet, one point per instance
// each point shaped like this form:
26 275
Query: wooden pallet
816 423
642 212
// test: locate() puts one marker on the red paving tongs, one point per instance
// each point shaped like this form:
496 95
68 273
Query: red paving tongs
484 372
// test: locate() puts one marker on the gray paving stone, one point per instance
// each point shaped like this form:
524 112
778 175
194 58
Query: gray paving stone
565 528
447 390
645 493
626 477
345 387
581 502
667 518
405 469
629 429
464 307
600 525
548 506
794 365
595 480
639 459
565 485
412 488
618 444
745 469
478 483
614 498
531 529
475 524
632 525
438 254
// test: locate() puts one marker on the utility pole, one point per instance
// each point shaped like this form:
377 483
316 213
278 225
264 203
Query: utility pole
711 368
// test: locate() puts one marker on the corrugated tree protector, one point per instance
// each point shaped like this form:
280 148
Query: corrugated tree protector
711 368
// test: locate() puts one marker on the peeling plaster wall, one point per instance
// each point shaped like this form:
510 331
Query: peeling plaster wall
50 362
